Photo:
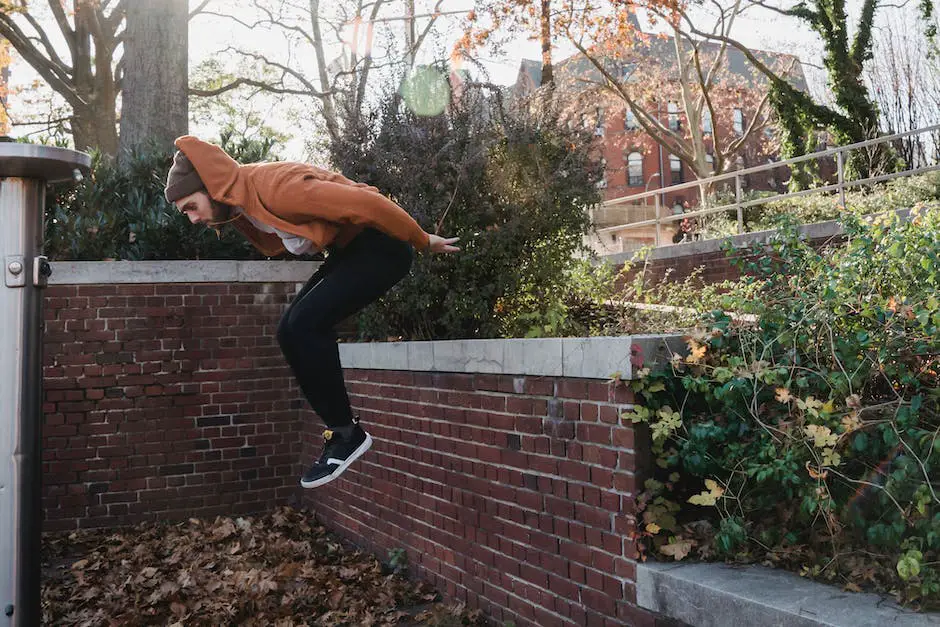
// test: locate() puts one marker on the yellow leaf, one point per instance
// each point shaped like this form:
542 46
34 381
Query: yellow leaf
653 528
831 458
783 395
850 422
710 496
704 499
677 549
696 352
811 403
822 436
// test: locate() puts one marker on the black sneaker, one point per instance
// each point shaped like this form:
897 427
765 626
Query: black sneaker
339 452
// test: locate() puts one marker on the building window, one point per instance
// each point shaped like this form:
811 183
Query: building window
710 160
635 169
628 70
707 121
585 122
675 169
738 121
629 120
673 109
602 184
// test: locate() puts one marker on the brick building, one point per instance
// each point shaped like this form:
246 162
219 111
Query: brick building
635 162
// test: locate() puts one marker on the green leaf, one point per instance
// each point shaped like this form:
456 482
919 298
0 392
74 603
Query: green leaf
909 564
860 443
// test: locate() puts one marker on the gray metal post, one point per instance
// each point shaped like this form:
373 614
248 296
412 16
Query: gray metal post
24 171
659 225
840 171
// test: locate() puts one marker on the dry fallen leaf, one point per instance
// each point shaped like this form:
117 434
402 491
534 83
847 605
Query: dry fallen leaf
677 549
281 570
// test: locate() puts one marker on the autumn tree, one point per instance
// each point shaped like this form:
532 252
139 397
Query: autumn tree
88 70
89 77
619 65
855 117
492 20
341 40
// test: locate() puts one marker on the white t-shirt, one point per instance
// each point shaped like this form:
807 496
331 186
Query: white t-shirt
294 244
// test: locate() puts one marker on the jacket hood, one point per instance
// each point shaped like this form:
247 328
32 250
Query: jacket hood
222 175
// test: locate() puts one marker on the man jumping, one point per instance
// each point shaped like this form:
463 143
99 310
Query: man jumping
298 208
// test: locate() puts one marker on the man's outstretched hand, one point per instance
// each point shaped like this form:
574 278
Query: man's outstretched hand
440 244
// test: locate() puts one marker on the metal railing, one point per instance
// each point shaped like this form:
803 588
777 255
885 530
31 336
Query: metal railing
738 175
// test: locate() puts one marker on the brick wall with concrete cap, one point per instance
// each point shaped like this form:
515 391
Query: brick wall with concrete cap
680 260
500 466
165 393
502 469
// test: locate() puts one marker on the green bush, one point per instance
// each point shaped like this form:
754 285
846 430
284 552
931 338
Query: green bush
811 437
119 212
603 300
513 188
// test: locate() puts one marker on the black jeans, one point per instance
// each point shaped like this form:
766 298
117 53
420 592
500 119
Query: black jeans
349 279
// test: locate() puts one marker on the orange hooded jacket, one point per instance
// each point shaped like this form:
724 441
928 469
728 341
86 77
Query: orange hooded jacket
322 206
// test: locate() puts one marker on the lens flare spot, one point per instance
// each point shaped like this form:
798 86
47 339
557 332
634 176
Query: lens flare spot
425 91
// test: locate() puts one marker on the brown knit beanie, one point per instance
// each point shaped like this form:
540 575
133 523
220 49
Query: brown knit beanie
182 180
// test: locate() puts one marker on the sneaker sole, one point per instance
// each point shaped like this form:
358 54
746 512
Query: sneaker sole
366 444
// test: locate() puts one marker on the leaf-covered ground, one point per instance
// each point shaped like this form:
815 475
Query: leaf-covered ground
281 569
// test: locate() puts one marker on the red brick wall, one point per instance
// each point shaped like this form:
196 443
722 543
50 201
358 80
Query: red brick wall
166 401
513 494
509 493
716 265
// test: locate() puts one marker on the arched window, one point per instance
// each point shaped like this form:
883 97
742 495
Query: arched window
635 169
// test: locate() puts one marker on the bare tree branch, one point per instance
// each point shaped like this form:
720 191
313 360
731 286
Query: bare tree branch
56 75
116 16
776 80
44 39
420 40
67 32
199 9
268 87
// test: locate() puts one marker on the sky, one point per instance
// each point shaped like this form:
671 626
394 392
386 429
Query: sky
758 28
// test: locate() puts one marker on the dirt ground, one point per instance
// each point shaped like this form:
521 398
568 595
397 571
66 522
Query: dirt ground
279 570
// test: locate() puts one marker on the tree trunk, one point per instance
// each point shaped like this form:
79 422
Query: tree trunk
93 122
548 73
96 127
155 106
